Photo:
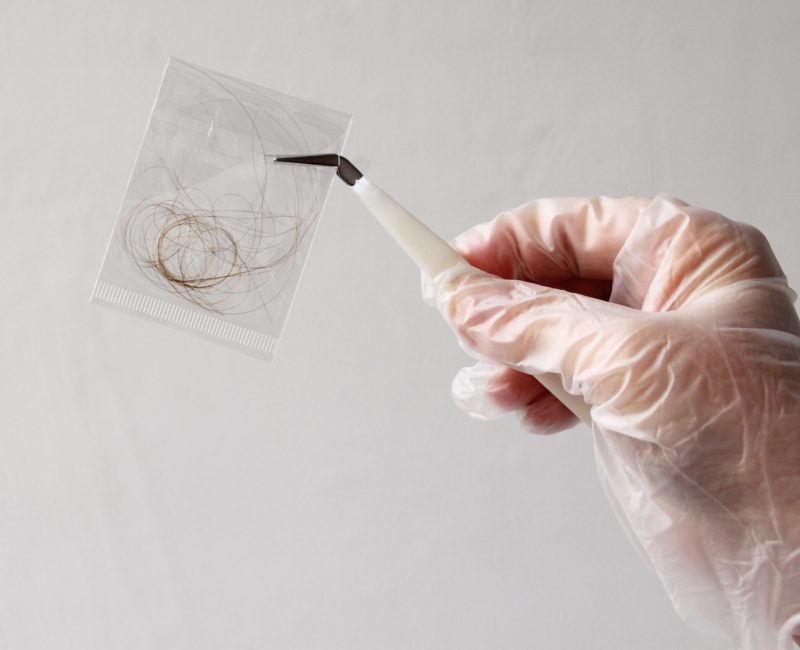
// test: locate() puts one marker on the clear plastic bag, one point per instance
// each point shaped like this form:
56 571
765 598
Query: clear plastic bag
212 235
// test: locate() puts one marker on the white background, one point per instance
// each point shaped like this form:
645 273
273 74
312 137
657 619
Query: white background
161 492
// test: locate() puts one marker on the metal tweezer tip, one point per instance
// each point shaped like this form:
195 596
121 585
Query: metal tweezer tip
344 168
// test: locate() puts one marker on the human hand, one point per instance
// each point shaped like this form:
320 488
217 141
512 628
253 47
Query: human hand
677 327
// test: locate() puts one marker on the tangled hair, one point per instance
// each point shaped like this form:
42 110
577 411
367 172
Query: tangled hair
226 256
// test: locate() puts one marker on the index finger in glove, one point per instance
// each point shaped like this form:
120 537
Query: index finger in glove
569 243
531 328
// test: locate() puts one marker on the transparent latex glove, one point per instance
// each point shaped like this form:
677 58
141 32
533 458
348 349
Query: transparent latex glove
677 327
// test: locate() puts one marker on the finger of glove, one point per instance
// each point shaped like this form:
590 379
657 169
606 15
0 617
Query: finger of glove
539 411
531 328
554 241
487 391
564 243
472 393
547 415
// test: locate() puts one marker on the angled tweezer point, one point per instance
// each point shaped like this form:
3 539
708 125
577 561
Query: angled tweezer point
344 168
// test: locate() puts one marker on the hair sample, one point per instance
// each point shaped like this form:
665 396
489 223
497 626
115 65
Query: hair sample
212 233
213 254
217 248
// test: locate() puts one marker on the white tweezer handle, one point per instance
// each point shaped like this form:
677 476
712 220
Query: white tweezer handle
434 255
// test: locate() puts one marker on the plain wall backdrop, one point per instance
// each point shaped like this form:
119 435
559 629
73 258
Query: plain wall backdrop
160 492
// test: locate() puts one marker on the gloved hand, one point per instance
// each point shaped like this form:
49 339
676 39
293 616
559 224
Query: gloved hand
677 327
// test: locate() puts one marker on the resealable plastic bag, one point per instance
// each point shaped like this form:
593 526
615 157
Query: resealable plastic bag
212 235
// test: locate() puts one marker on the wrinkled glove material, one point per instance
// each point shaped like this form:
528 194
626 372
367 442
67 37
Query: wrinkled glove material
677 326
